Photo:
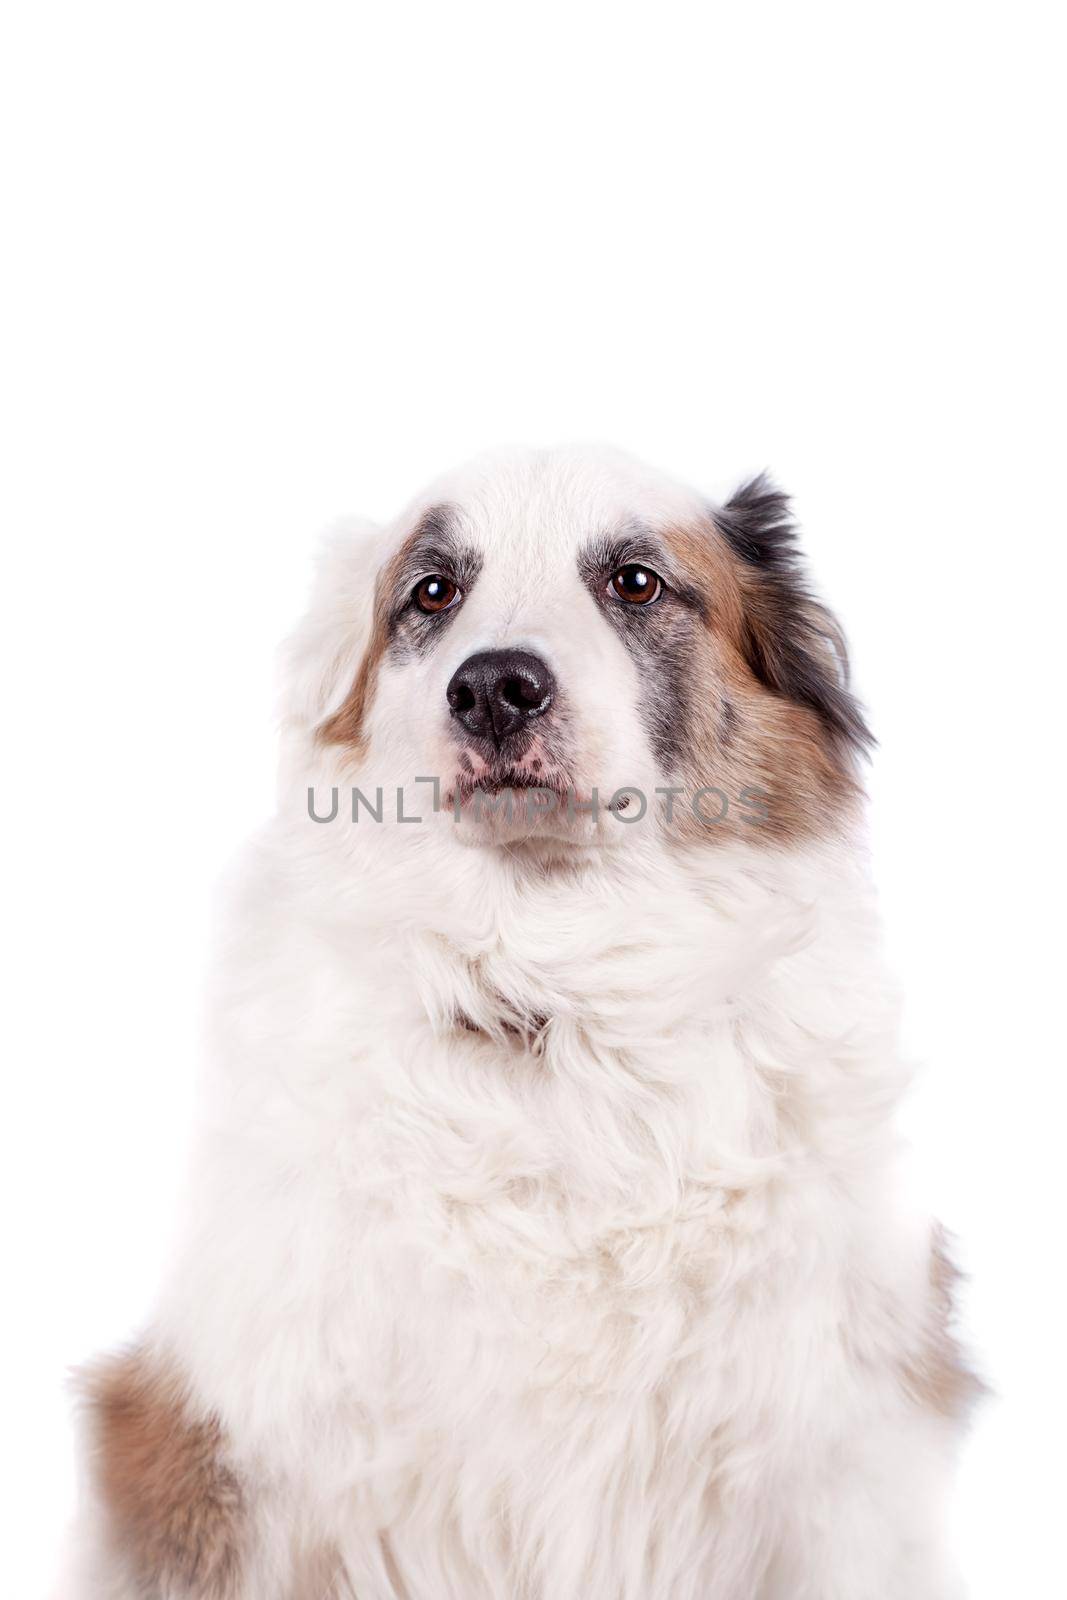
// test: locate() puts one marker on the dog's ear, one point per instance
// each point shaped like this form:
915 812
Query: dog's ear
792 643
319 659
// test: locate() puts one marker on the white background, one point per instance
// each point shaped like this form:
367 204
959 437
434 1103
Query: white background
268 263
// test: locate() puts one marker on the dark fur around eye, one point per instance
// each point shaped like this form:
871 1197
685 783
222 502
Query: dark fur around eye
438 549
658 634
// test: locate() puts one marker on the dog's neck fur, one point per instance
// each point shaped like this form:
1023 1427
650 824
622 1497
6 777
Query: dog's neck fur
625 1068
652 1013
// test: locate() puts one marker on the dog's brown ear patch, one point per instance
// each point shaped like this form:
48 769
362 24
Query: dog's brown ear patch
938 1375
346 725
768 719
175 1507
792 644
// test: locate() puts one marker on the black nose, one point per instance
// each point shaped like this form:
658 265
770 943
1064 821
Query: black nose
497 692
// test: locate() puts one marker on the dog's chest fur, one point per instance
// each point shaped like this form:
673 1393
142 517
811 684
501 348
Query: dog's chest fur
565 1226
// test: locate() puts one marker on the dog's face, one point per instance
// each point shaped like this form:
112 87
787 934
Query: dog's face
561 641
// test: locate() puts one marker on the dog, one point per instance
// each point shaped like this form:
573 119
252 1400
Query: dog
547 1232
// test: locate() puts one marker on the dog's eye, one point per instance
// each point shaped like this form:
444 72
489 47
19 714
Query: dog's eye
635 584
435 593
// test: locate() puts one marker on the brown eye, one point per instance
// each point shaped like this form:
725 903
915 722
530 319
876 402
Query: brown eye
635 584
435 593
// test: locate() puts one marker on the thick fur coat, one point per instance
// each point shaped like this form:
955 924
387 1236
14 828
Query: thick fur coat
547 1238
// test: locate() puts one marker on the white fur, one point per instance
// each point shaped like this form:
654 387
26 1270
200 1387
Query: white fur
618 1316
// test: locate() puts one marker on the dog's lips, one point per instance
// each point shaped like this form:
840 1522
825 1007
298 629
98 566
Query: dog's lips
528 785
499 781
496 781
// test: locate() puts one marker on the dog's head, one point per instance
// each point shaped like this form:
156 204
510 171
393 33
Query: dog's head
571 645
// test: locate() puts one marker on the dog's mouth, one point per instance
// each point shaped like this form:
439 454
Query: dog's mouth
499 780
531 768
495 782
531 789
512 795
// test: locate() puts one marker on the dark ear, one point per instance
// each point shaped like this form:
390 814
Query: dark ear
792 643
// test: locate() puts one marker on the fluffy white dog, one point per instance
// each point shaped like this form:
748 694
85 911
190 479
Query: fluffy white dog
547 1239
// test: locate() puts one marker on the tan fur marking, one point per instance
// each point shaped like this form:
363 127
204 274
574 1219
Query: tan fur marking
346 726
937 1375
176 1508
774 746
